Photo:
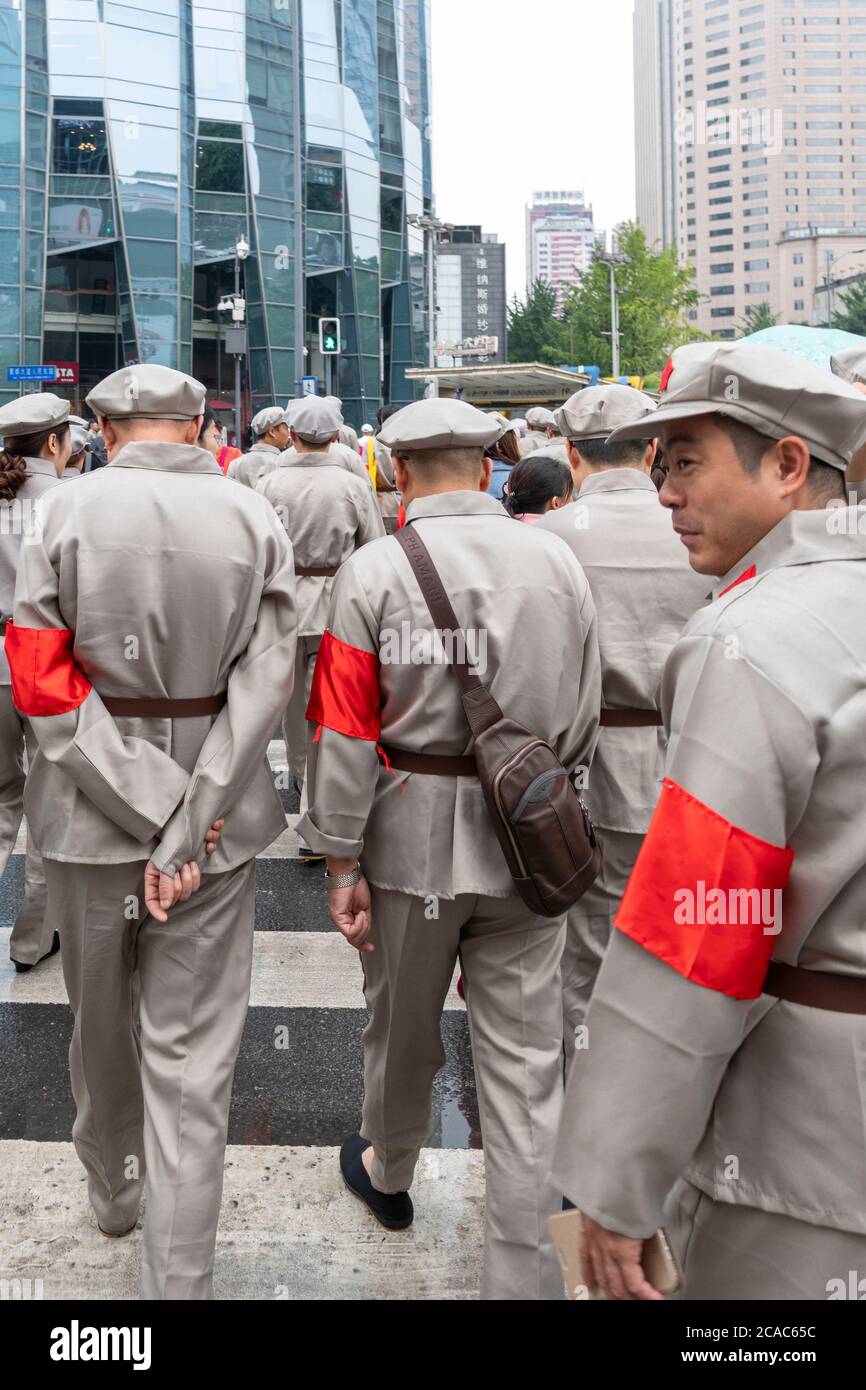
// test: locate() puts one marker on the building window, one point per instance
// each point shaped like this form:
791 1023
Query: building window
80 143
721 313
760 287
799 282
798 304
756 265
219 167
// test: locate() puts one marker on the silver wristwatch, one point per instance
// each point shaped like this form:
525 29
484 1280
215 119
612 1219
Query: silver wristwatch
344 880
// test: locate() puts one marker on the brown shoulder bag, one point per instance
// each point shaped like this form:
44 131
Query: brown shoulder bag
541 823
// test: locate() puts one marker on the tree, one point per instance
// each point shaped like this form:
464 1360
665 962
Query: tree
853 317
756 317
534 331
655 293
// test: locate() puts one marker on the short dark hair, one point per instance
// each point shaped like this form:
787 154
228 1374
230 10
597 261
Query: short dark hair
623 454
535 481
208 419
825 482
386 411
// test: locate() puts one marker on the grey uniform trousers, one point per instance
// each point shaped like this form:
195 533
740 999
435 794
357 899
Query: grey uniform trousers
732 1252
510 965
32 933
295 717
588 927
152 1112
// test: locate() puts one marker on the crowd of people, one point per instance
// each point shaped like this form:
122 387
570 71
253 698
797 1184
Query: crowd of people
683 1049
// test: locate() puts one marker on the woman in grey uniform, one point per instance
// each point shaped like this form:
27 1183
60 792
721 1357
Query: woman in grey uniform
37 447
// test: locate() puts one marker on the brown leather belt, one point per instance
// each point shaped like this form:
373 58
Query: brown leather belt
434 764
630 718
321 571
818 989
165 709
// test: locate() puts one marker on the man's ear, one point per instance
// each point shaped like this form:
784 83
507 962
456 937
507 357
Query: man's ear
401 474
193 430
650 452
486 474
106 429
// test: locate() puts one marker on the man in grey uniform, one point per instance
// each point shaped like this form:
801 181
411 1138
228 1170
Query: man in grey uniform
435 886
722 1091
153 650
37 440
327 514
645 591
271 434
542 429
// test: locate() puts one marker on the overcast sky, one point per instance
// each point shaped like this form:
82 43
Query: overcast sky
531 94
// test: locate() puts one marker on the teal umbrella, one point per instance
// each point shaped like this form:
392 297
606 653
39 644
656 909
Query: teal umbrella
816 345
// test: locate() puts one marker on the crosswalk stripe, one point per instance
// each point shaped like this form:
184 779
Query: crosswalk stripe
293 970
288 1229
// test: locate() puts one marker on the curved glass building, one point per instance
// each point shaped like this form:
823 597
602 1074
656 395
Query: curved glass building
141 141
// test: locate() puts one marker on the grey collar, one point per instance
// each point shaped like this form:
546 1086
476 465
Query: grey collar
617 480
801 538
165 458
456 504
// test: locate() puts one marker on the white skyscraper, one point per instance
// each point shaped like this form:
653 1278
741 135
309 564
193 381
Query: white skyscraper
560 239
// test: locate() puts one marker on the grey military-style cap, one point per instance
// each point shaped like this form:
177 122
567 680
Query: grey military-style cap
317 419
597 410
267 419
503 421
540 418
850 365
775 393
80 432
439 424
148 391
29 414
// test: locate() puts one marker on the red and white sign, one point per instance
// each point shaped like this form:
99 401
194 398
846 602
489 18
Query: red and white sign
67 373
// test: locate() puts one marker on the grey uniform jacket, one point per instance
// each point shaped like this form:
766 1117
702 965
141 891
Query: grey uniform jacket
250 467
327 514
534 440
530 615
645 591
761 1102
21 522
166 581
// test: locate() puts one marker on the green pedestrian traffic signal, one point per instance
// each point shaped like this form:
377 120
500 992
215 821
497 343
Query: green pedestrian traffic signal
329 337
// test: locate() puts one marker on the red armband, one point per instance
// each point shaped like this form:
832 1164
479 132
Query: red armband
45 678
345 691
706 896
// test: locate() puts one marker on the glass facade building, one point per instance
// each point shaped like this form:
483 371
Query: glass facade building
139 141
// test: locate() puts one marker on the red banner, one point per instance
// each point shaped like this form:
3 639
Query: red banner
67 373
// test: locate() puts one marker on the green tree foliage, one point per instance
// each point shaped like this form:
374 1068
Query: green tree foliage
756 317
852 317
534 331
655 294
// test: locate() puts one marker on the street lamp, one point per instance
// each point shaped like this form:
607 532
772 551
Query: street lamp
612 259
431 227
236 335
831 261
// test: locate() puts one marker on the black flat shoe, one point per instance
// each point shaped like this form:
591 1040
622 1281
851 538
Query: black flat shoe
22 968
393 1210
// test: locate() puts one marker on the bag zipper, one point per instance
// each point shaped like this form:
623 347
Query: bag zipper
503 815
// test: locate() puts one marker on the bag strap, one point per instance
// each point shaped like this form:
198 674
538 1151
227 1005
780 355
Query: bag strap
479 705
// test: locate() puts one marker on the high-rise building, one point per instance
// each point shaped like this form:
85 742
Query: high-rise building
471 317
767 156
560 239
142 142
